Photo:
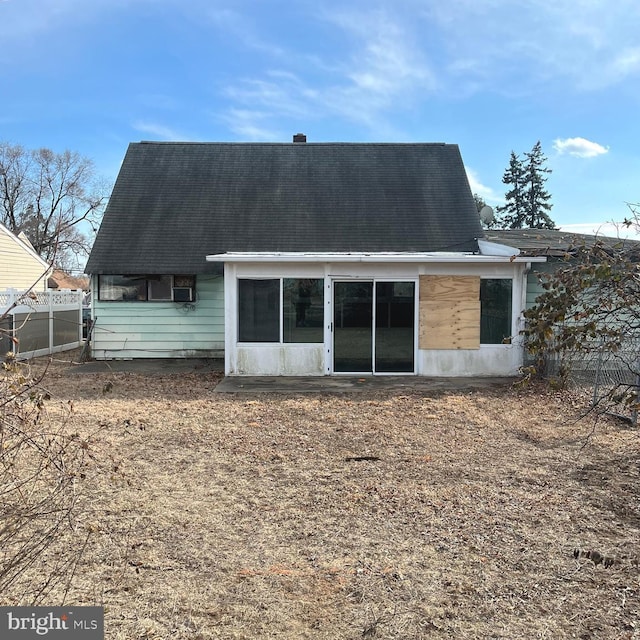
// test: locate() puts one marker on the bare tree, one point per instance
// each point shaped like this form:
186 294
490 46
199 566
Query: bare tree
54 198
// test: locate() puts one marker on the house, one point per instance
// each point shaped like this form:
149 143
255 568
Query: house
42 322
555 245
304 259
20 265
59 279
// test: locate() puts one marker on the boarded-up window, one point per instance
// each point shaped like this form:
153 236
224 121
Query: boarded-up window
449 312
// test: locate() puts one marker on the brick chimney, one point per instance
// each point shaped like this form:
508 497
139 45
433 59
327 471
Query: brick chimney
299 137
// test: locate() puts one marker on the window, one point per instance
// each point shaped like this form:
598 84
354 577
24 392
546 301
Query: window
118 288
259 310
159 287
294 304
123 288
303 309
495 311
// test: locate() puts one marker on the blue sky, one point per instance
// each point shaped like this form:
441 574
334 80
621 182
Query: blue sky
489 75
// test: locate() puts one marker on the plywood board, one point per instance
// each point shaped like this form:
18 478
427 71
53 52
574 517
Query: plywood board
449 312
449 325
449 288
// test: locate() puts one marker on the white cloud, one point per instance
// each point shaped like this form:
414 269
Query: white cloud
278 94
486 193
378 66
626 63
590 48
159 131
247 124
579 147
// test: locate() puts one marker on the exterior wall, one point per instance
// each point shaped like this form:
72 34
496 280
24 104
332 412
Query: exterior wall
124 330
489 359
272 358
275 359
20 266
534 287
289 359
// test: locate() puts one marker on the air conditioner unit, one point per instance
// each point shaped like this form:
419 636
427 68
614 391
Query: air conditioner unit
182 294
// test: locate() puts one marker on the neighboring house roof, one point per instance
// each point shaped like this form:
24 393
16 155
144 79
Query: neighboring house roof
175 203
550 242
61 280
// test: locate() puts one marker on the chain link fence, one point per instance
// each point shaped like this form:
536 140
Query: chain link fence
611 377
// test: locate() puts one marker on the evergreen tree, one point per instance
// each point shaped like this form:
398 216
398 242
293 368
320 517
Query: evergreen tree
527 201
480 203
512 214
537 198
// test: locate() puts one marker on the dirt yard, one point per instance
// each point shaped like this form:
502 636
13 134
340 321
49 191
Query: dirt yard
394 515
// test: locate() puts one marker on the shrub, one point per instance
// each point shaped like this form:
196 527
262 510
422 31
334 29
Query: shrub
42 465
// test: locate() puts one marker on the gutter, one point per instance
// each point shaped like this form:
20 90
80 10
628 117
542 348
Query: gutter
287 256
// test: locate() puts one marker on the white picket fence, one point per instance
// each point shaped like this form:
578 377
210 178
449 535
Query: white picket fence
43 322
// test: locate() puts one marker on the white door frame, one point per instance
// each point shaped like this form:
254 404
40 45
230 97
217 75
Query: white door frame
329 328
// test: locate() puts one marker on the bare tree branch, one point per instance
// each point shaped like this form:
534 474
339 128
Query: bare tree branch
54 198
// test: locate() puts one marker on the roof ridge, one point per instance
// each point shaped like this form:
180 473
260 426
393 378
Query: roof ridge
295 144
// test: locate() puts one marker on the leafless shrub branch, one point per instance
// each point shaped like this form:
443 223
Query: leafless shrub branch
42 466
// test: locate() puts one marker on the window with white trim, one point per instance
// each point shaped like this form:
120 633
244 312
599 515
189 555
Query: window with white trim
143 288
496 295
289 310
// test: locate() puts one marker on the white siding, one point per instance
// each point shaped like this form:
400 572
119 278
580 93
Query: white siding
290 359
161 329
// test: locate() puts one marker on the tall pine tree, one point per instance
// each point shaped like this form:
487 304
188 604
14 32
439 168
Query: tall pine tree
512 214
527 201
536 196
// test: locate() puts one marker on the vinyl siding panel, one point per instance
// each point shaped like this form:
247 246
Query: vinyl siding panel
534 286
19 269
162 329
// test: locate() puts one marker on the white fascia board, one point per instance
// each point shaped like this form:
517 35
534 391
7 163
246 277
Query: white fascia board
464 258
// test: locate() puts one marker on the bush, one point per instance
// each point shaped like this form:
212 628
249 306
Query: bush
42 465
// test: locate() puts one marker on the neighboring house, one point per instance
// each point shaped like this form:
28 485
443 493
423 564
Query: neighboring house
555 245
59 279
304 259
20 265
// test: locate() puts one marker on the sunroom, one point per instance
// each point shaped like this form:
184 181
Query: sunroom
426 314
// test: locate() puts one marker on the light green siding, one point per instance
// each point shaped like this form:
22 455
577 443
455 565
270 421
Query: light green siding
534 286
161 329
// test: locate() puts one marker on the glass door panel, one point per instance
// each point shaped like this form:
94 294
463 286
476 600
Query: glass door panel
353 327
394 334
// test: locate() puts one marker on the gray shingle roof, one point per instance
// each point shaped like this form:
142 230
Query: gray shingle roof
551 242
175 203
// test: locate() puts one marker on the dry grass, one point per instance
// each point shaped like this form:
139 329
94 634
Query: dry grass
219 516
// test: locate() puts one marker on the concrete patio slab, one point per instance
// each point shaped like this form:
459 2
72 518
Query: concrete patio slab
348 384
284 384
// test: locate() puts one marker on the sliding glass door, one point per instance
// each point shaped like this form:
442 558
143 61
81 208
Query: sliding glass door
395 320
352 326
373 327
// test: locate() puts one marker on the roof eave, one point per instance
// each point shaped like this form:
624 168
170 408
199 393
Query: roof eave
385 257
